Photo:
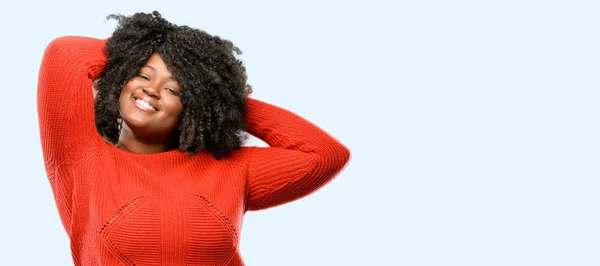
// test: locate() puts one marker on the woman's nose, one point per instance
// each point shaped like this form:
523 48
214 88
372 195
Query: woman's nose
152 91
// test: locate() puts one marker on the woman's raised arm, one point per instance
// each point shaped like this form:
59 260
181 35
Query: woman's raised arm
301 159
65 100
66 111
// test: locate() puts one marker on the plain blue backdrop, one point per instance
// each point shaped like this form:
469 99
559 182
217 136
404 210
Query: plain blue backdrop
473 126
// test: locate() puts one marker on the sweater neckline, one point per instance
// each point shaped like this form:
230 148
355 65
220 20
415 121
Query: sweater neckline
166 154
174 154
157 162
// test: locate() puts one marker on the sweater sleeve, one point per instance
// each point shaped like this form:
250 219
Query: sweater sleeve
66 111
301 157
65 99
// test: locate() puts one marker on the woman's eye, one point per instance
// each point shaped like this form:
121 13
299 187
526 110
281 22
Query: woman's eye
144 77
172 91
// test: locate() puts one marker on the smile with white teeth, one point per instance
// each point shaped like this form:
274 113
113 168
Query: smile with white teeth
144 104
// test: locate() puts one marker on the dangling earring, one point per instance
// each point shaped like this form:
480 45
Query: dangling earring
119 123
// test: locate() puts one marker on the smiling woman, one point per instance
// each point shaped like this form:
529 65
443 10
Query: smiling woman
145 51
151 171
151 109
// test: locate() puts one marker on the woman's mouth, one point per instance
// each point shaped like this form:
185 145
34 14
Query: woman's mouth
143 105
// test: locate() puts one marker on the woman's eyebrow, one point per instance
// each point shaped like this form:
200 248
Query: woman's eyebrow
154 69
149 66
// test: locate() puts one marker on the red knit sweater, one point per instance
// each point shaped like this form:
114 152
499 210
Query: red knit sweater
169 208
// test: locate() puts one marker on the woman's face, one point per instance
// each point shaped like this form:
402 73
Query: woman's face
149 103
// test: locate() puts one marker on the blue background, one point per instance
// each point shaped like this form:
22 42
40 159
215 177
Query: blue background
473 126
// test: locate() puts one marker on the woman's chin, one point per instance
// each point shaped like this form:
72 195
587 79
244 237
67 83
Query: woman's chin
135 121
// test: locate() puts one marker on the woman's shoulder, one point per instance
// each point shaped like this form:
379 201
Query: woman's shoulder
239 155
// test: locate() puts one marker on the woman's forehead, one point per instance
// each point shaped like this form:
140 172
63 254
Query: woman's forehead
158 66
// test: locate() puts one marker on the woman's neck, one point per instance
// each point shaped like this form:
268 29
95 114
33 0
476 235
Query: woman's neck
130 143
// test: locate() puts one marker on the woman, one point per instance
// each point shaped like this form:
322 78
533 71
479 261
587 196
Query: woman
151 171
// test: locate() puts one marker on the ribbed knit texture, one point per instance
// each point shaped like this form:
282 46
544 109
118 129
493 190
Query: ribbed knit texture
120 208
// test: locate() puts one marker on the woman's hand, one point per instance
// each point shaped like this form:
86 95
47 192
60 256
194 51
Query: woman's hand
95 87
248 91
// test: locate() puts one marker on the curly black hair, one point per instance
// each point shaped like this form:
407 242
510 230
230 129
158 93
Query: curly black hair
211 76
